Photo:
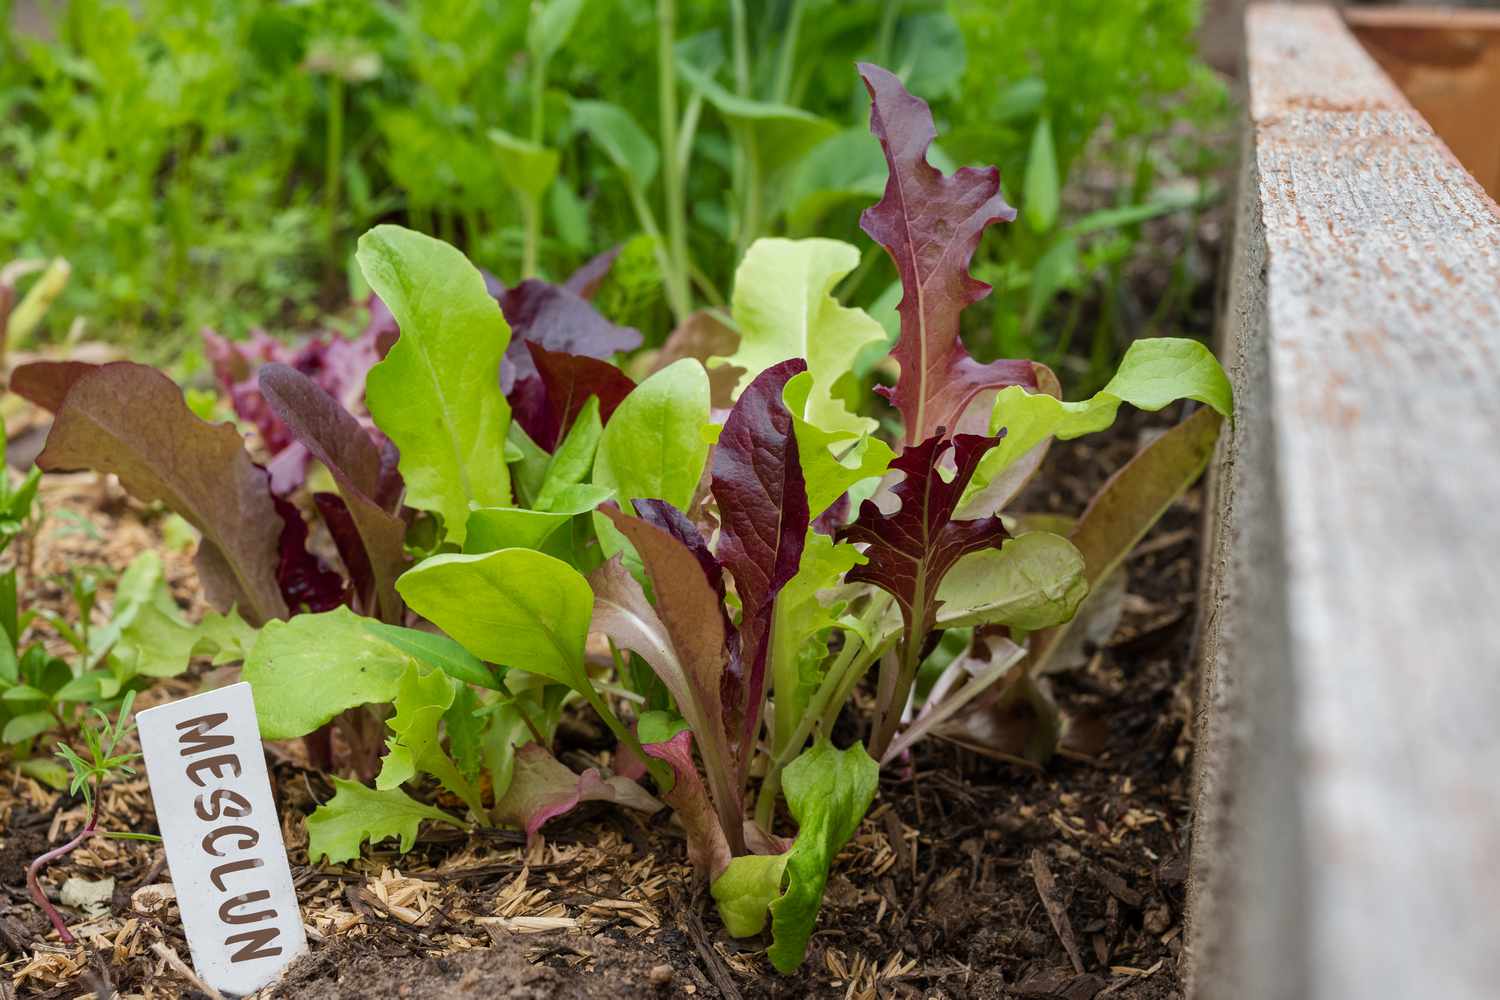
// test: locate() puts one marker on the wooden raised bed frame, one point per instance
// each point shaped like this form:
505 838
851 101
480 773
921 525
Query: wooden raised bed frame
1347 837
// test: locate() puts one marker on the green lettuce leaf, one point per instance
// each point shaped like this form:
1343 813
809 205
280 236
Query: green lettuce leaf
828 792
437 650
1129 504
336 829
421 702
656 444
147 636
570 464
832 461
800 617
306 670
1033 581
784 308
437 393
516 607
1155 372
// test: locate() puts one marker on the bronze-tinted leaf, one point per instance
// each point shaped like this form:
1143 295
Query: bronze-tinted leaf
131 421
705 335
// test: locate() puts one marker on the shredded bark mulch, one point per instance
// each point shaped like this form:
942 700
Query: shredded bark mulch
971 878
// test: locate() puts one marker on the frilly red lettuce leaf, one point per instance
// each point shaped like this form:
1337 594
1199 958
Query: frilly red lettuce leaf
910 551
930 225
337 364
307 584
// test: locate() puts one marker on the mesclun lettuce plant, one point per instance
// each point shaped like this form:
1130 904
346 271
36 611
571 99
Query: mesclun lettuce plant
525 526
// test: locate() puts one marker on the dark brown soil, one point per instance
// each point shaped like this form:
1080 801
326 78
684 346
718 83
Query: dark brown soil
619 971
973 877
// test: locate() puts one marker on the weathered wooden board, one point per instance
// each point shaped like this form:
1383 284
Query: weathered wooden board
1347 842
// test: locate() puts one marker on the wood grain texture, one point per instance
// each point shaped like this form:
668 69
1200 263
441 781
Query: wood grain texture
1349 774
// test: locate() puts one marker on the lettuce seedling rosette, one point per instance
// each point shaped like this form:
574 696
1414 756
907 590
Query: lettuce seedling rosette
711 556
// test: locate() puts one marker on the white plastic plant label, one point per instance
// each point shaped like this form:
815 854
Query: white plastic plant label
213 802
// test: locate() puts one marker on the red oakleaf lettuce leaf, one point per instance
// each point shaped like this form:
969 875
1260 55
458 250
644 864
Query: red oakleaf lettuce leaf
910 551
930 225
334 437
131 421
545 406
762 500
559 320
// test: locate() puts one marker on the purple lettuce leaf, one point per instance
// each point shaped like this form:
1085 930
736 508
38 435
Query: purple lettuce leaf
762 500
337 364
358 465
307 584
543 788
546 405
585 281
559 320
930 225
351 549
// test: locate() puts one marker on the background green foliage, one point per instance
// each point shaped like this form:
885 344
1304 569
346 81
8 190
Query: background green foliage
209 162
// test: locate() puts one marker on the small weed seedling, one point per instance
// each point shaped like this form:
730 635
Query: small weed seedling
90 775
